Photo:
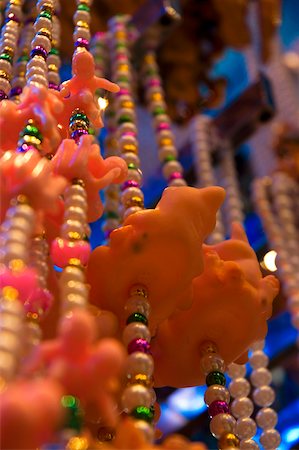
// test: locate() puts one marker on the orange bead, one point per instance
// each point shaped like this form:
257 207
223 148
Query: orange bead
127 104
120 35
156 96
164 142
228 440
123 67
129 148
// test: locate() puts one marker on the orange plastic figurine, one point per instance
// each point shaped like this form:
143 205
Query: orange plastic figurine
159 248
231 304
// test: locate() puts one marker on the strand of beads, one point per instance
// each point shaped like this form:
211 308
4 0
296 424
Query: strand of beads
53 60
139 397
263 396
30 138
132 198
223 424
168 154
19 80
242 406
81 34
37 69
202 142
9 37
18 282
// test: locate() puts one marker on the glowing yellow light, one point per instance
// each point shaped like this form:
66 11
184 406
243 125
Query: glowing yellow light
77 443
269 261
103 103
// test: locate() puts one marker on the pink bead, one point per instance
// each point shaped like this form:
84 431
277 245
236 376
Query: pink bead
175 175
129 133
62 251
39 302
154 82
139 345
218 407
25 282
121 57
122 92
163 126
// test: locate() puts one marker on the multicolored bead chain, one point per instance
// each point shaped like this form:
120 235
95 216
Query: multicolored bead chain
9 37
30 138
132 197
53 60
81 34
139 397
242 406
79 125
223 424
168 154
263 396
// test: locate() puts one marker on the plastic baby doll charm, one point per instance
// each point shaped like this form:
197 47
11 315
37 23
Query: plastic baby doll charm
159 248
84 161
37 103
30 413
231 303
31 175
85 368
78 92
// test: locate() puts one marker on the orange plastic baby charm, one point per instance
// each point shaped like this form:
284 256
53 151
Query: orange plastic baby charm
84 161
231 303
78 92
159 248
85 368
38 103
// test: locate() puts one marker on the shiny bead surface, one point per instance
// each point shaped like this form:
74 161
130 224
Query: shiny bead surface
216 392
136 395
236 370
264 396
270 439
261 377
239 387
218 407
137 317
222 423
228 440
258 359
211 363
242 407
266 418
139 362
248 444
215 377
245 428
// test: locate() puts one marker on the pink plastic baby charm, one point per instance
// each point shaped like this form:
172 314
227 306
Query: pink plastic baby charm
30 414
84 161
158 248
38 103
231 303
78 92
83 367
31 175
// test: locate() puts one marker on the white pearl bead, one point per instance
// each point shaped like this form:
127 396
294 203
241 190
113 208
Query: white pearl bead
75 213
75 189
18 236
76 201
239 387
245 428
131 157
54 77
42 22
222 423
43 41
266 418
270 439
258 359
74 287
135 175
131 210
9 341
137 304
165 134
248 445
242 407
139 362
211 362
15 251
177 182
82 15
216 392
72 226
135 330
6 66
73 300
126 127
71 273
136 395
263 396
260 377
37 80
167 151
130 192
146 428
170 167
128 112
236 370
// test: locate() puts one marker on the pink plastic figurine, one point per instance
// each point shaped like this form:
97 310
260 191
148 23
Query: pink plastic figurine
231 303
84 368
158 248
78 92
37 103
30 413
84 161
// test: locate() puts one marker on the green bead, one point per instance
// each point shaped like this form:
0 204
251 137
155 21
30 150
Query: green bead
158 110
121 78
79 116
132 166
143 413
215 378
54 51
123 119
137 317
23 58
120 45
6 56
46 14
150 72
111 215
91 131
169 158
83 7
31 130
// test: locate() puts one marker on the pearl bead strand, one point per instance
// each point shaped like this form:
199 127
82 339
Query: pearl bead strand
81 34
53 60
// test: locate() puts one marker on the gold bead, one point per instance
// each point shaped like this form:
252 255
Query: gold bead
135 201
127 104
149 58
33 317
16 2
10 293
123 68
31 140
78 124
45 32
78 181
52 68
120 35
140 378
9 51
129 148
82 24
165 142
54 43
77 443
228 440
4 75
75 262
156 96
16 265
74 236
105 434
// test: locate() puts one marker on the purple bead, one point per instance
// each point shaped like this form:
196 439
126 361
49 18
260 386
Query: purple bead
163 126
3 96
77 134
107 233
139 345
81 42
53 86
38 50
154 82
175 176
130 183
17 90
218 407
13 17
123 92
25 148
